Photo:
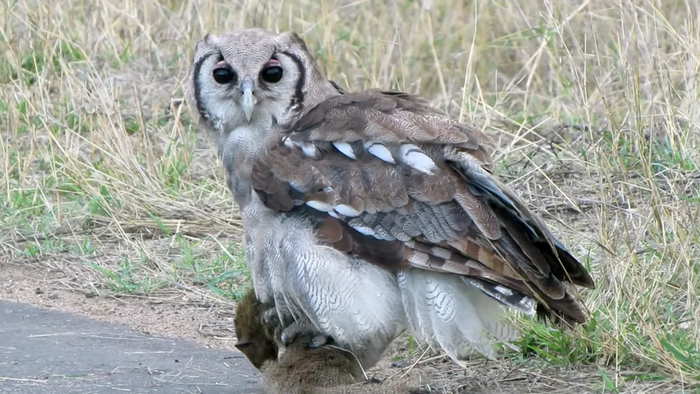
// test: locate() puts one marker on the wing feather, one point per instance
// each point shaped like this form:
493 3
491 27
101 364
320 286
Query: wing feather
387 178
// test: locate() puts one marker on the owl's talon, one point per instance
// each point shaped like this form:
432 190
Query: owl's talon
285 339
305 332
270 317
319 340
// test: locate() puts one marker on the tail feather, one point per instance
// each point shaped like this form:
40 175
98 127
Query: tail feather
451 314
505 295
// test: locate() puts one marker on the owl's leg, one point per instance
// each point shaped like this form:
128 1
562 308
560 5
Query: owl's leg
273 325
272 322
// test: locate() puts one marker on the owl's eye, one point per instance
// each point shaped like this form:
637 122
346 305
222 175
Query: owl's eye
224 75
271 74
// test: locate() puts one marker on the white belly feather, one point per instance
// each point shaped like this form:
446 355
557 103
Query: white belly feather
357 303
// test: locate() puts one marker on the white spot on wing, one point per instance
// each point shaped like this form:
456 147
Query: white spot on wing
504 290
288 143
335 215
414 157
298 187
345 149
380 151
418 258
309 149
441 252
364 230
319 206
346 210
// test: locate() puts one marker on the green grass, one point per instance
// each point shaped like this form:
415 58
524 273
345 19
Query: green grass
594 106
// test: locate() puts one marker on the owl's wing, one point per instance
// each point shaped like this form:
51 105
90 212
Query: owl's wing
385 177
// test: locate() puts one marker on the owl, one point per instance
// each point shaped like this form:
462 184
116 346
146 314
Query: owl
370 213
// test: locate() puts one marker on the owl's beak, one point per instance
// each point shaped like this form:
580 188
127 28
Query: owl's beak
248 99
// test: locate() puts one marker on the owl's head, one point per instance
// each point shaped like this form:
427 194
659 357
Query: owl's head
253 78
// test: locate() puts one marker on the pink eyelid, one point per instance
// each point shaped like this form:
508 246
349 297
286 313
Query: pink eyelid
221 63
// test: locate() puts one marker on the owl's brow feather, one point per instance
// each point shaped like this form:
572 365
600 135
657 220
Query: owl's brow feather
198 89
297 101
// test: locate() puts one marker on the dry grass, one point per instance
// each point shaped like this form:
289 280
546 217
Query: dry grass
594 105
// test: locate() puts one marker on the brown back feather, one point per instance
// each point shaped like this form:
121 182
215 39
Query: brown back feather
459 218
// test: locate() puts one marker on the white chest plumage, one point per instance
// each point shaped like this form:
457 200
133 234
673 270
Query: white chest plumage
308 281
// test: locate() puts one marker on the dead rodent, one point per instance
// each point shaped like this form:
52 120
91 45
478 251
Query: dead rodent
254 339
301 368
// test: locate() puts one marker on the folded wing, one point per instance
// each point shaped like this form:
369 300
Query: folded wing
384 177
